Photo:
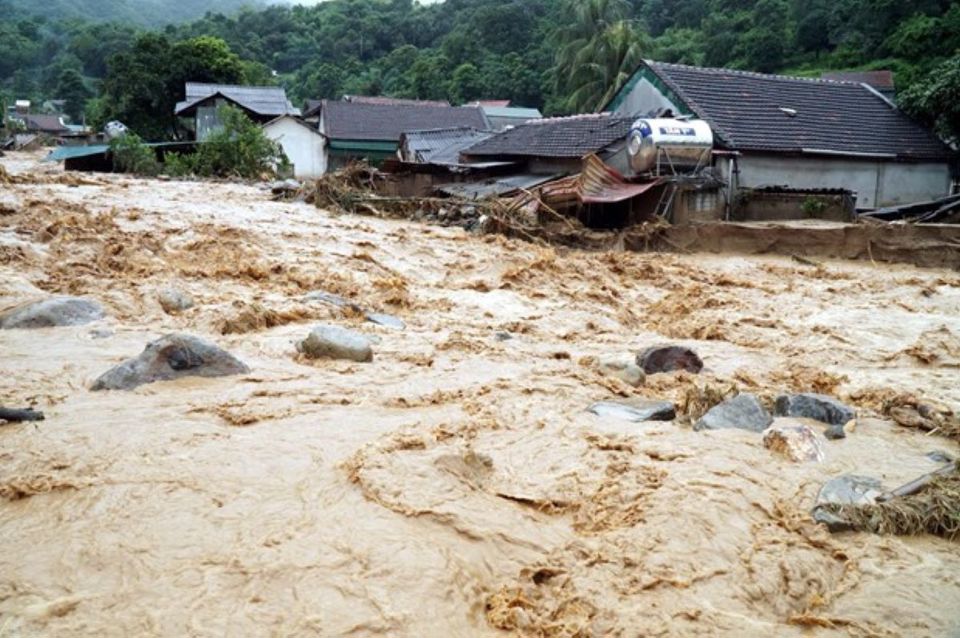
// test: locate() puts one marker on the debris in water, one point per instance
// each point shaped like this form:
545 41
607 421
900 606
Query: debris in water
13 415
669 359
639 411
55 311
743 411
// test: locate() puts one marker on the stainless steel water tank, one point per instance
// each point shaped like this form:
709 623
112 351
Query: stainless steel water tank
681 143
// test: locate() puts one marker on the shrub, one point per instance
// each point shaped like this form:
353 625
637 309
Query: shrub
131 155
239 148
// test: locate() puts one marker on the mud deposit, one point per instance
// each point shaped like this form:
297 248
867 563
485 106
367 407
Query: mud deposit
456 486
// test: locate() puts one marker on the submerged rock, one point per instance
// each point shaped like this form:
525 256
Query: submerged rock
743 411
55 311
173 301
939 456
388 321
818 407
849 489
636 412
794 440
502 336
835 432
171 357
332 299
669 359
626 371
333 342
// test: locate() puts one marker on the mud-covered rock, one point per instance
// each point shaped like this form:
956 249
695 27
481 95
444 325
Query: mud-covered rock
173 300
743 411
388 321
818 407
626 371
795 440
334 342
669 359
635 412
849 489
55 311
171 357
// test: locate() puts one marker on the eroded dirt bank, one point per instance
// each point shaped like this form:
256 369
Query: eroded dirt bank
456 486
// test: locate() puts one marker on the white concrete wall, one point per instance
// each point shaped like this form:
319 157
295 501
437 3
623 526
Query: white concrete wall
876 183
303 147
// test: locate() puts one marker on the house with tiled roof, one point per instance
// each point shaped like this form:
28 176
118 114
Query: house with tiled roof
371 131
798 133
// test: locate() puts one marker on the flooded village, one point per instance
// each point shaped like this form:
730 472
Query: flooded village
684 364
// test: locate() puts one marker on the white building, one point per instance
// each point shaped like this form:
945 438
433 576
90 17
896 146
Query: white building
302 144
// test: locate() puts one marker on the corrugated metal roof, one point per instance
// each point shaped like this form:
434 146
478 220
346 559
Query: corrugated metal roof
757 112
262 100
561 137
602 184
495 187
361 121
439 146
512 112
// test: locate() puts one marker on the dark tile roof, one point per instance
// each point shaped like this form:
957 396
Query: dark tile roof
757 112
560 137
880 80
363 121
262 100
383 99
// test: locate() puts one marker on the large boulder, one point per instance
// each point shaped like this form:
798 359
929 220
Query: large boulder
635 412
669 359
171 357
818 407
743 411
795 440
55 311
333 342
626 371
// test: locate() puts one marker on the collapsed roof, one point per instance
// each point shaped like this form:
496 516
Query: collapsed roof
560 137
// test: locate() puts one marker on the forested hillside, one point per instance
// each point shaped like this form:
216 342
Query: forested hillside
149 13
560 55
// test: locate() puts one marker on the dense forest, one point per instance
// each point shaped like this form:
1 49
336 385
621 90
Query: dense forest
561 56
147 13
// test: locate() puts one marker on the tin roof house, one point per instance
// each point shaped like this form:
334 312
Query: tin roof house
797 133
261 103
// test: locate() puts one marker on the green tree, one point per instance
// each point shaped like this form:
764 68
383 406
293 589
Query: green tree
466 84
72 88
935 99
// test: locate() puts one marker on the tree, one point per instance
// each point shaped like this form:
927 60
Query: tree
71 88
935 99
599 50
466 85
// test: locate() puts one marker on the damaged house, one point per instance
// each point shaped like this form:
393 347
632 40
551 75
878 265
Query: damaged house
796 134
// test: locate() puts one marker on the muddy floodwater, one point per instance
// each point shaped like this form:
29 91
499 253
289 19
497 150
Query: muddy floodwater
456 485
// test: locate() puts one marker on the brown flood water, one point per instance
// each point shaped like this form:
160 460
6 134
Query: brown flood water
455 486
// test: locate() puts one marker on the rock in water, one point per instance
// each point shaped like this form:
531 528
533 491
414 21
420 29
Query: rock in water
173 301
848 489
743 411
645 411
333 342
55 311
669 359
388 321
332 299
171 357
835 432
797 441
626 371
818 407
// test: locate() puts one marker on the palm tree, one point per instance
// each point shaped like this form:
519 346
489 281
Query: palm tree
599 49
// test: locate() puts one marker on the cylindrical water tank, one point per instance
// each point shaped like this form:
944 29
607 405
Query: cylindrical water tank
680 143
